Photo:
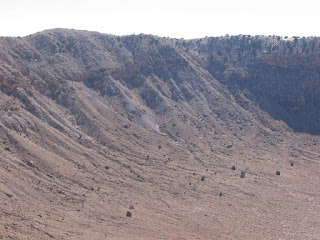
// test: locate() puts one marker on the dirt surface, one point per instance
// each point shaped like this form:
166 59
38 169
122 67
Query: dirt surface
139 137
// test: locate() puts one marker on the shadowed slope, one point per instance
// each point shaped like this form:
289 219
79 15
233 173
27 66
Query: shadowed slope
93 124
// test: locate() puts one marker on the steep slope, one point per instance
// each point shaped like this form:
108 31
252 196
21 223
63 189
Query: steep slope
281 74
94 125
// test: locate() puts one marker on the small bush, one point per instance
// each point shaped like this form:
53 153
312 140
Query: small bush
203 178
242 175
129 214
233 168
30 163
278 173
291 164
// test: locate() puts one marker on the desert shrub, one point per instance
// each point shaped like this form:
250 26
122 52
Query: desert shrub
129 214
233 168
242 175
278 173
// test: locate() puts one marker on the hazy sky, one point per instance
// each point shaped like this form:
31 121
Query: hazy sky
167 18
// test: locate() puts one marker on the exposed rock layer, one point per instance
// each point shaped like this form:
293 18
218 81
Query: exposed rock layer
92 124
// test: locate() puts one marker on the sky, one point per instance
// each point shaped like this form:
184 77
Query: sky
166 18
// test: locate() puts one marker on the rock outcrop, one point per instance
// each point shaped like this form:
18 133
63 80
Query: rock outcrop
92 123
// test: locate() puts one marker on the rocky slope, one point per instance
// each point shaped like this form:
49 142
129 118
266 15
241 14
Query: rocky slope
95 125
282 74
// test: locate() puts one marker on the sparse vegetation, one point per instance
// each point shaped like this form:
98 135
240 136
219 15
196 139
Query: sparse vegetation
278 173
126 104
129 214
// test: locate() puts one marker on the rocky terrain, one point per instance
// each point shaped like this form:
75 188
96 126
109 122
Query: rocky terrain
144 137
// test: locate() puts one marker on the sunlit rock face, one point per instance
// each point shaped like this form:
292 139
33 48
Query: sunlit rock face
143 137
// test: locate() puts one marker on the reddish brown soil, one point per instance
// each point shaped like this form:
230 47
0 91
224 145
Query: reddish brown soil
93 126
